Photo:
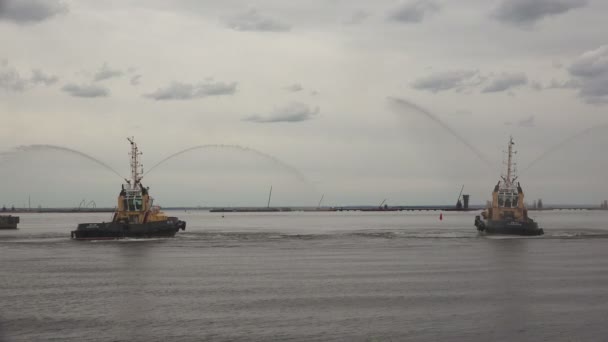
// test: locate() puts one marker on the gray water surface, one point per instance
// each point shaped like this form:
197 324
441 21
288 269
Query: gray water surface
386 276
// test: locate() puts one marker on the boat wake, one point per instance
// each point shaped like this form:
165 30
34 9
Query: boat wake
231 237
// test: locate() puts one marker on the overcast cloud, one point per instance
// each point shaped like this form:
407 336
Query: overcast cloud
569 84
40 77
293 112
528 122
187 91
446 81
31 11
294 87
252 20
528 12
357 17
139 67
135 80
413 11
12 80
86 90
590 71
505 81
105 72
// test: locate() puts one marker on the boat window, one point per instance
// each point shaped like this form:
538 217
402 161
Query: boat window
134 203
137 203
508 199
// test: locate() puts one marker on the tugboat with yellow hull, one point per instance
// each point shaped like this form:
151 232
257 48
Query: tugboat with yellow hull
507 213
135 216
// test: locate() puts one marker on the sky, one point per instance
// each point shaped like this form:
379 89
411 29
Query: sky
355 100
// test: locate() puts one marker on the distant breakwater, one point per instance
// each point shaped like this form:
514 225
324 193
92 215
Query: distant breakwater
361 208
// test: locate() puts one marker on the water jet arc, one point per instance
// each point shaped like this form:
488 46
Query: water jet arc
402 104
37 147
563 143
275 160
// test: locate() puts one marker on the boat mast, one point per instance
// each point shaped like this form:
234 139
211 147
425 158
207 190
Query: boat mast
137 169
510 172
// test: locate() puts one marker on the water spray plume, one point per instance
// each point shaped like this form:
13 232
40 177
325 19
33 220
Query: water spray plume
402 105
33 148
563 143
275 160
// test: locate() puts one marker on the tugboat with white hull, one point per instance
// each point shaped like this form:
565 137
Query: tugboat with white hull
135 216
507 213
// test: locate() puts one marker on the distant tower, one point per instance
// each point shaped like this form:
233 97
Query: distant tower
458 202
539 204
465 199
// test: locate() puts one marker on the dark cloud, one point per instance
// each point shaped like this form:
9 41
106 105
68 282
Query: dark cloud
591 63
294 87
505 81
91 90
186 91
105 72
595 91
254 21
30 11
446 80
413 11
293 112
590 72
528 12
11 79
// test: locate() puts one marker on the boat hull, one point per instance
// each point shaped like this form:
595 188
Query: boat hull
119 230
9 222
508 227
